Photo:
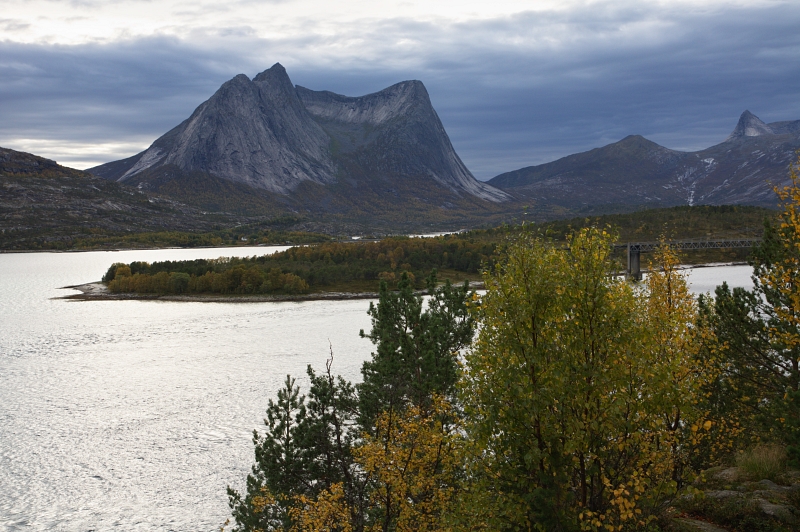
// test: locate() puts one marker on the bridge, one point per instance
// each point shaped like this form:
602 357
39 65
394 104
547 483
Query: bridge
635 249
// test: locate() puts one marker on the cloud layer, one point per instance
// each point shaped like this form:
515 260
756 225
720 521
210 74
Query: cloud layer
512 89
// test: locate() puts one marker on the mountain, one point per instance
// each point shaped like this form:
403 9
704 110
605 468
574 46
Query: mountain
46 205
313 151
636 172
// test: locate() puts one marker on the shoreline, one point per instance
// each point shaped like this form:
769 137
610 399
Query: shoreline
97 291
116 250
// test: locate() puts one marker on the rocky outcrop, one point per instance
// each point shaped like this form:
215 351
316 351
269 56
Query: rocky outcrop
270 135
19 163
750 125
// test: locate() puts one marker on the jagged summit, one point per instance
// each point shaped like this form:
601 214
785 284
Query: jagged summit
394 132
269 134
253 132
750 125
375 108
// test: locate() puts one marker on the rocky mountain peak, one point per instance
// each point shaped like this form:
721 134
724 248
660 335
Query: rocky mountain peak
275 83
750 125
276 71
268 134
375 109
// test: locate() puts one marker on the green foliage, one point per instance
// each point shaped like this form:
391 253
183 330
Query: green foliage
756 351
416 349
766 461
305 449
302 269
703 221
584 404
574 394
679 223
321 462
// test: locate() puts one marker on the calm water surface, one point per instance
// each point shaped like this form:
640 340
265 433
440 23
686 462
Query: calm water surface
135 415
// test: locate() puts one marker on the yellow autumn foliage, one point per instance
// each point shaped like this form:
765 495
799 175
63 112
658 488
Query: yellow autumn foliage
411 464
579 389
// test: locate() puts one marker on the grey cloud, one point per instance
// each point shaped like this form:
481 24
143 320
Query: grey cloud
683 86
512 91
10 24
103 93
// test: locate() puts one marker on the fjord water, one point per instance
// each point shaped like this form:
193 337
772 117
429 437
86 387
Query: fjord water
135 415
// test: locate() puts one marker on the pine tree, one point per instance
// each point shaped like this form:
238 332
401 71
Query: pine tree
416 349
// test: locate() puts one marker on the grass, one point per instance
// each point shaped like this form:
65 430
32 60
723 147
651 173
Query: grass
766 461
734 514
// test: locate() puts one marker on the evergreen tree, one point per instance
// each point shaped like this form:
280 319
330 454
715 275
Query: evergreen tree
305 449
312 464
757 338
416 350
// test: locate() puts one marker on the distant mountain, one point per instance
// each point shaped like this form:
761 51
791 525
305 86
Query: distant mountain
312 151
636 172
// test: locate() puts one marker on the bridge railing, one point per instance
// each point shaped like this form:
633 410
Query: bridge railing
634 249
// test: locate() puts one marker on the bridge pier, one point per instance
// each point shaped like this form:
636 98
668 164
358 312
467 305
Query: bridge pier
634 266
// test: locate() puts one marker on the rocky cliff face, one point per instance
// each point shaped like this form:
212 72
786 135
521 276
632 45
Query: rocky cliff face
270 135
636 172
394 134
253 132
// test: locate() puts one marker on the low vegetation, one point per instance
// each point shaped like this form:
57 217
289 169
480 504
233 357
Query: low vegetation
360 266
243 235
764 461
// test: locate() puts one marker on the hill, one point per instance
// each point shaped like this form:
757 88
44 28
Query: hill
44 205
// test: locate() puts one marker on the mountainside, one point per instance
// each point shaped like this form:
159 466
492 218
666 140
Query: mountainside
46 205
311 150
394 134
636 172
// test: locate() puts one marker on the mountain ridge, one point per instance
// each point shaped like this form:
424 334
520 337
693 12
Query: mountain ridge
637 172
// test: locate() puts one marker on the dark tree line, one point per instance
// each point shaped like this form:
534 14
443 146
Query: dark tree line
304 269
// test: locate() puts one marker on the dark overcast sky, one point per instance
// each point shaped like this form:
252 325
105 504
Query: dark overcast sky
515 84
